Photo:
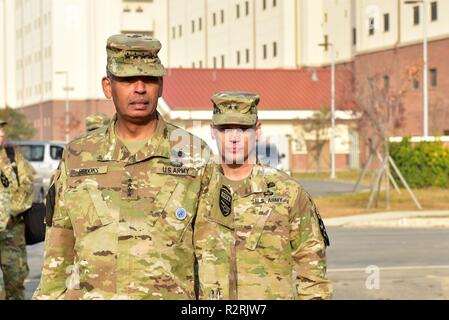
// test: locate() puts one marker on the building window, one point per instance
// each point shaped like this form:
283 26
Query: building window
264 5
222 61
174 33
193 26
275 3
200 24
264 51
354 36
139 9
200 63
247 55
386 22
275 49
214 19
247 8
222 16
237 13
386 83
371 26
325 17
415 84
433 77
416 15
434 10
238 58
180 30
215 62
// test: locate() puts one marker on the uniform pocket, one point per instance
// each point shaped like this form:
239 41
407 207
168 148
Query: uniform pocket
88 209
262 213
177 214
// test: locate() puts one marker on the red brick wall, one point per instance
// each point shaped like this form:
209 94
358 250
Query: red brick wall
301 163
397 63
49 118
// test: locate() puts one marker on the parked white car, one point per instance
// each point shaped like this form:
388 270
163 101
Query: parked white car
44 157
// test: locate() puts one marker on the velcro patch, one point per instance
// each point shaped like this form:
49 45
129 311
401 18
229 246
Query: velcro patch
88 171
178 171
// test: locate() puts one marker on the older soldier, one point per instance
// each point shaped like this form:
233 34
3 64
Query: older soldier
258 234
16 196
120 222
95 121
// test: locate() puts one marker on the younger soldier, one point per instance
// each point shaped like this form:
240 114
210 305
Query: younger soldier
258 234
16 196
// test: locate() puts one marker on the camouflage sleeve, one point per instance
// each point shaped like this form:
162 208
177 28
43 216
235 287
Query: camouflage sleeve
59 242
23 195
309 251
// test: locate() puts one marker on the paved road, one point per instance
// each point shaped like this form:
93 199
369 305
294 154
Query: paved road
325 188
414 263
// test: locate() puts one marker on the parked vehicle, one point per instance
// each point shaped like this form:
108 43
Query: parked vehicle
44 157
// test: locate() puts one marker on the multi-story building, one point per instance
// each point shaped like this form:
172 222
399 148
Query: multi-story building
53 50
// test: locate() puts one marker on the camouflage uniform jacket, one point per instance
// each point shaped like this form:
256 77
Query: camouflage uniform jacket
14 198
271 245
122 224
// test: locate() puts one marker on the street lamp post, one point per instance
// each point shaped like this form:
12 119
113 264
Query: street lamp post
425 4
326 46
66 89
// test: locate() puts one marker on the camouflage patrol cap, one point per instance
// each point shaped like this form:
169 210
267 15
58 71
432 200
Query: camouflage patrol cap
95 121
134 55
236 108
3 122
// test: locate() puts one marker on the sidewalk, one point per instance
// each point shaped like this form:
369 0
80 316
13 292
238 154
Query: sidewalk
394 219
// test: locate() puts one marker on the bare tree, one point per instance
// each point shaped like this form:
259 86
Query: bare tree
317 126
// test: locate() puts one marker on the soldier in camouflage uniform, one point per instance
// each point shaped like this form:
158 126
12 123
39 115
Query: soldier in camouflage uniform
258 234
120 212
95 121
16 196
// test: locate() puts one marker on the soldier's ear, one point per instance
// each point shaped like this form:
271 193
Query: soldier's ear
161 87
107 90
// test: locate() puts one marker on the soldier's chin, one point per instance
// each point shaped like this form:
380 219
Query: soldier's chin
234 159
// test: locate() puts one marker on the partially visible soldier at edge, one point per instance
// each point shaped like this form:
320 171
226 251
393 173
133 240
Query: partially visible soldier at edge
16 196
258 234
119 223
96 121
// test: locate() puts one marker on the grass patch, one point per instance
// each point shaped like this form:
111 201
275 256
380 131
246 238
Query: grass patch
355 203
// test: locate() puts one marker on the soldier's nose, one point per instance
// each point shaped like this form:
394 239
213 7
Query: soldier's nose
139 86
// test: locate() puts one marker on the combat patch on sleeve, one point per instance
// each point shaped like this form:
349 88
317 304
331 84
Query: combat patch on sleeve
322 226
50 206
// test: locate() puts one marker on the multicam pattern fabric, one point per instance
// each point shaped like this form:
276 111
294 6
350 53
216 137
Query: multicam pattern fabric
269 247
122 224
236 108
96 121
14 200
134 55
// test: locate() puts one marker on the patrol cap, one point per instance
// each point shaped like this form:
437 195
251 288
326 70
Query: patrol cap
3 122
95 121
235 108
134 55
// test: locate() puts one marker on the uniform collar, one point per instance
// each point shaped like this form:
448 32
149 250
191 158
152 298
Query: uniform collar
158 145
255 183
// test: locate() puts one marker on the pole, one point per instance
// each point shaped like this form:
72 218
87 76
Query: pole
425 71
67 107
333 175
